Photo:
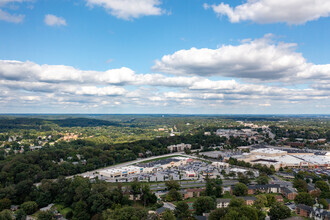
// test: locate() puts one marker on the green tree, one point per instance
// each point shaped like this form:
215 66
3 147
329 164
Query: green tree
240 189
279 211
324 203
300 185
236 202
271 200
204 204
126 213
182 210
29 207
263 180
172 185
20 214
304 198
322 185
4 204
81 211
45 215
135 189
243 178
173 195
168 215
260 202
5 215
218 214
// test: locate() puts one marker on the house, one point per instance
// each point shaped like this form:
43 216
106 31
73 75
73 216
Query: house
223 203
289 193
249 200
319 214
279 198
303 210
190 193
269 188
161 210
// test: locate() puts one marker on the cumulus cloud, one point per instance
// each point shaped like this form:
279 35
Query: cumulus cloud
129 9
5 16
30 85
261 59
8 17
52 20
273 11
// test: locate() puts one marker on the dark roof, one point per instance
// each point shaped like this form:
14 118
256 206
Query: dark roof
287 190
310 187
161 210
248 198
267 186
304 207
200 217
223 200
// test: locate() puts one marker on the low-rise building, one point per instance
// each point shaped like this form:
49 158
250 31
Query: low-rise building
223 203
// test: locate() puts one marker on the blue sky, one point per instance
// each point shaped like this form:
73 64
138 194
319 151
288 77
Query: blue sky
109 56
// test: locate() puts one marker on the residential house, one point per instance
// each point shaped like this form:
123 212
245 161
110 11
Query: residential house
223 203
319 214
269 188
289 193
249 200
279 198
303 210
190 193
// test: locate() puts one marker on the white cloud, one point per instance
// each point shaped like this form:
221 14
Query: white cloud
129 9
261 59
52 20
273 11
30 85
5 16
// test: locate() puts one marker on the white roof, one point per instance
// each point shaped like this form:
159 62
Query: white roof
268 151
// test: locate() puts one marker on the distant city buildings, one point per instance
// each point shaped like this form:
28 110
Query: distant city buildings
179 147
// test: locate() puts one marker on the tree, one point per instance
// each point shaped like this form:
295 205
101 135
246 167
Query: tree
135 189
81 211
182 210
324 203
236 202
322 185
260 202
271 200
172 185
45 215
218 214
240 189
5 215
204 204
126 213
168 215
263 180
304 198
29 207
4 204
20 214
300 185
243 178
147 196
173 195
279 211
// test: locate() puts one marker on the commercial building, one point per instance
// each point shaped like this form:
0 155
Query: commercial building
179 147
285 158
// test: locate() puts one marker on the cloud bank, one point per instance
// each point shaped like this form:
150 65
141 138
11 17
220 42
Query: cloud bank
129 9
274 11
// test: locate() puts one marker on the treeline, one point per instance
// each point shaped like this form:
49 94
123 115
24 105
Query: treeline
42 124
81 198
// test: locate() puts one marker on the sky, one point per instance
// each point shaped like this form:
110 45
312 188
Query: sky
165 56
